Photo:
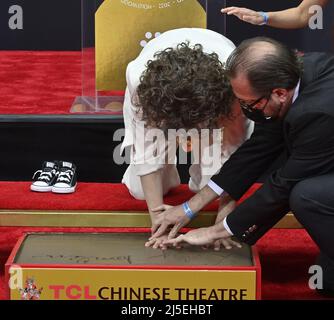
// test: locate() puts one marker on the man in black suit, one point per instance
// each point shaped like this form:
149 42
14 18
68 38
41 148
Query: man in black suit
291 100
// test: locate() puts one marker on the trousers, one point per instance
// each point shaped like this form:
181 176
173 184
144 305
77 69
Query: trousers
312 202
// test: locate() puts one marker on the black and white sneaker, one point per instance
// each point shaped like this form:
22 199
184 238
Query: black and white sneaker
44 179
67 178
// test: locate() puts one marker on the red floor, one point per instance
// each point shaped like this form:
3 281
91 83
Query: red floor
285 255
39 82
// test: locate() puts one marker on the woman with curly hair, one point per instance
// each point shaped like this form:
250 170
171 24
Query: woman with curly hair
178 82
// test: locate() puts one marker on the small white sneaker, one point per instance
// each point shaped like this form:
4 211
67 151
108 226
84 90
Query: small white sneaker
45 178
67 178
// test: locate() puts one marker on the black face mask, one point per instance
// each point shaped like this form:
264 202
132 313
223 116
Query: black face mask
257 115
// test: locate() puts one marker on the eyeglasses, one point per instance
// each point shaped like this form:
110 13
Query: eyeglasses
249 106
255 114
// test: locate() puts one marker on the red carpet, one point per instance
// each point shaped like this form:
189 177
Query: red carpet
34 82
88 196
285 254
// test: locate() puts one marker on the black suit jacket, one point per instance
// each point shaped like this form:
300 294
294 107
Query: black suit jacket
307 132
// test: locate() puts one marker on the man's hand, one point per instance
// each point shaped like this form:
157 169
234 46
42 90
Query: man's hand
199 237
226 243
244 14
169 216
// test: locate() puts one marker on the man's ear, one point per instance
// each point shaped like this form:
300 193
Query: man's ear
281 94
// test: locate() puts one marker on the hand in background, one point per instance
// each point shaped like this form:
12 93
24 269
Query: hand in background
245 14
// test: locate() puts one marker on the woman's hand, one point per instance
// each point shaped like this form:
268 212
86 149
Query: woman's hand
158 243
168 216
245 14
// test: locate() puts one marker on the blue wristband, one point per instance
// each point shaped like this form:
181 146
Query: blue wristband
187 211
265 17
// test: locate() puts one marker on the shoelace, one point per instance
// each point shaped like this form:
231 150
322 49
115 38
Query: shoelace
45 175
65 176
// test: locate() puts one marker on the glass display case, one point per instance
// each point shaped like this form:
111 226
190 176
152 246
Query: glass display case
113 34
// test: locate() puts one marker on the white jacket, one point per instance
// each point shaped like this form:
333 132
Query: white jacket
211 42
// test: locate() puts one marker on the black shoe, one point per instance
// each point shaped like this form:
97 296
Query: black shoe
45 178
67 178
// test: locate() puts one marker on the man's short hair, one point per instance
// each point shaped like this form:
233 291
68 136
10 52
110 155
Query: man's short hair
183 87
280 67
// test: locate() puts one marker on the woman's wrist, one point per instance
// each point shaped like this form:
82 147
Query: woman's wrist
265 16
201 199
154 215
188 211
